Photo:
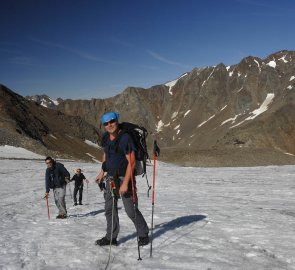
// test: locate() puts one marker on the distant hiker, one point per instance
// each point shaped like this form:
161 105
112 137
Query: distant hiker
118 157
78 178
56 178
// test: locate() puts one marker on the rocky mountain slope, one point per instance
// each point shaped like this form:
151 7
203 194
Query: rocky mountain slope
242 114
26 124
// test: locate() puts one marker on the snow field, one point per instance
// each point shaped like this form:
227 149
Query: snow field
205 218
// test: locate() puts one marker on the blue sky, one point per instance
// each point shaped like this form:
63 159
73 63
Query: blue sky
95 49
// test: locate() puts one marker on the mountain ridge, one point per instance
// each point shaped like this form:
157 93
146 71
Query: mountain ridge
248 106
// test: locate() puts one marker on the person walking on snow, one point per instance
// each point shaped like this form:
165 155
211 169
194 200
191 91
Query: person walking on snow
56 178
78 178
118 162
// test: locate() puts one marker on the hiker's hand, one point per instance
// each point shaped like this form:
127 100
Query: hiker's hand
46 195
67 180
86 181
99 178
123 189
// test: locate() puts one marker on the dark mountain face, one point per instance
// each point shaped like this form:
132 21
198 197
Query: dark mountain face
222 115
27 124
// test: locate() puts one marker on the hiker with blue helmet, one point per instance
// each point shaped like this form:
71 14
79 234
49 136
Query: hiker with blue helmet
118 165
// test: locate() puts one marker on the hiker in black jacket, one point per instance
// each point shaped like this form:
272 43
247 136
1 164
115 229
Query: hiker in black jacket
56 178
78 178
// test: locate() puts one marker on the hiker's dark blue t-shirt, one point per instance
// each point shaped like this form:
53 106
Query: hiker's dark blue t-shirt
116 151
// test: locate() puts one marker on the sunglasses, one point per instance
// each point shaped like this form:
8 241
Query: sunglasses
110 122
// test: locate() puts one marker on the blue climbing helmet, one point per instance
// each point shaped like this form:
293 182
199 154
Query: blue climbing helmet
109 116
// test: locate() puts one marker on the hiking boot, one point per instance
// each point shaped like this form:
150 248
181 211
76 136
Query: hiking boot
75 204
143 240
61 216
104 242
80 203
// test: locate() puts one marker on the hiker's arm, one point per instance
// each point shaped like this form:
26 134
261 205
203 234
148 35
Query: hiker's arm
100 175
130 168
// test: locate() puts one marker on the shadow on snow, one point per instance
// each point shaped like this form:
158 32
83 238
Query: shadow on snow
90 214
162 228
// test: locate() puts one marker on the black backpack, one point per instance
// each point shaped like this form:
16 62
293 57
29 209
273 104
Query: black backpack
138 135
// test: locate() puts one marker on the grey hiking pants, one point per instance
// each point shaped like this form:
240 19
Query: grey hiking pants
59 198
140 225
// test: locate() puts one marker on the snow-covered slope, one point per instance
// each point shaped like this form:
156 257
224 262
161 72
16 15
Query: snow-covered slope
223 218
8 151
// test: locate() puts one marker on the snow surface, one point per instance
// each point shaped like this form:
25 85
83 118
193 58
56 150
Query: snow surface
292 78
205 218
8 151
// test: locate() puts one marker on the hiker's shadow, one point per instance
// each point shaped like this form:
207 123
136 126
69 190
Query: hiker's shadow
90 214
162 228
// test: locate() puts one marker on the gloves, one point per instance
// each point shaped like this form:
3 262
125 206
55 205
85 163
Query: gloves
102 185
46 195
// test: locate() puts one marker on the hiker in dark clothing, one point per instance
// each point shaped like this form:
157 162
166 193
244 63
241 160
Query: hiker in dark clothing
78 178
118 163
56 178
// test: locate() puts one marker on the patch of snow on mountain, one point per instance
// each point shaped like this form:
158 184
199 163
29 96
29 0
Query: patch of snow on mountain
223 108
206 121
187 113
159 126
260 110
174 115
177 132
292 78
93 157
258 65
44 104
55 102
8 151
208 77
95 145
230 120
53 136
172 83
272 64
228 68
290 87
263 107
231 73
283 59
177 127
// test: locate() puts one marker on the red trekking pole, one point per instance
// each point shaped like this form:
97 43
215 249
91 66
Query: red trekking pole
48 212
156 151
